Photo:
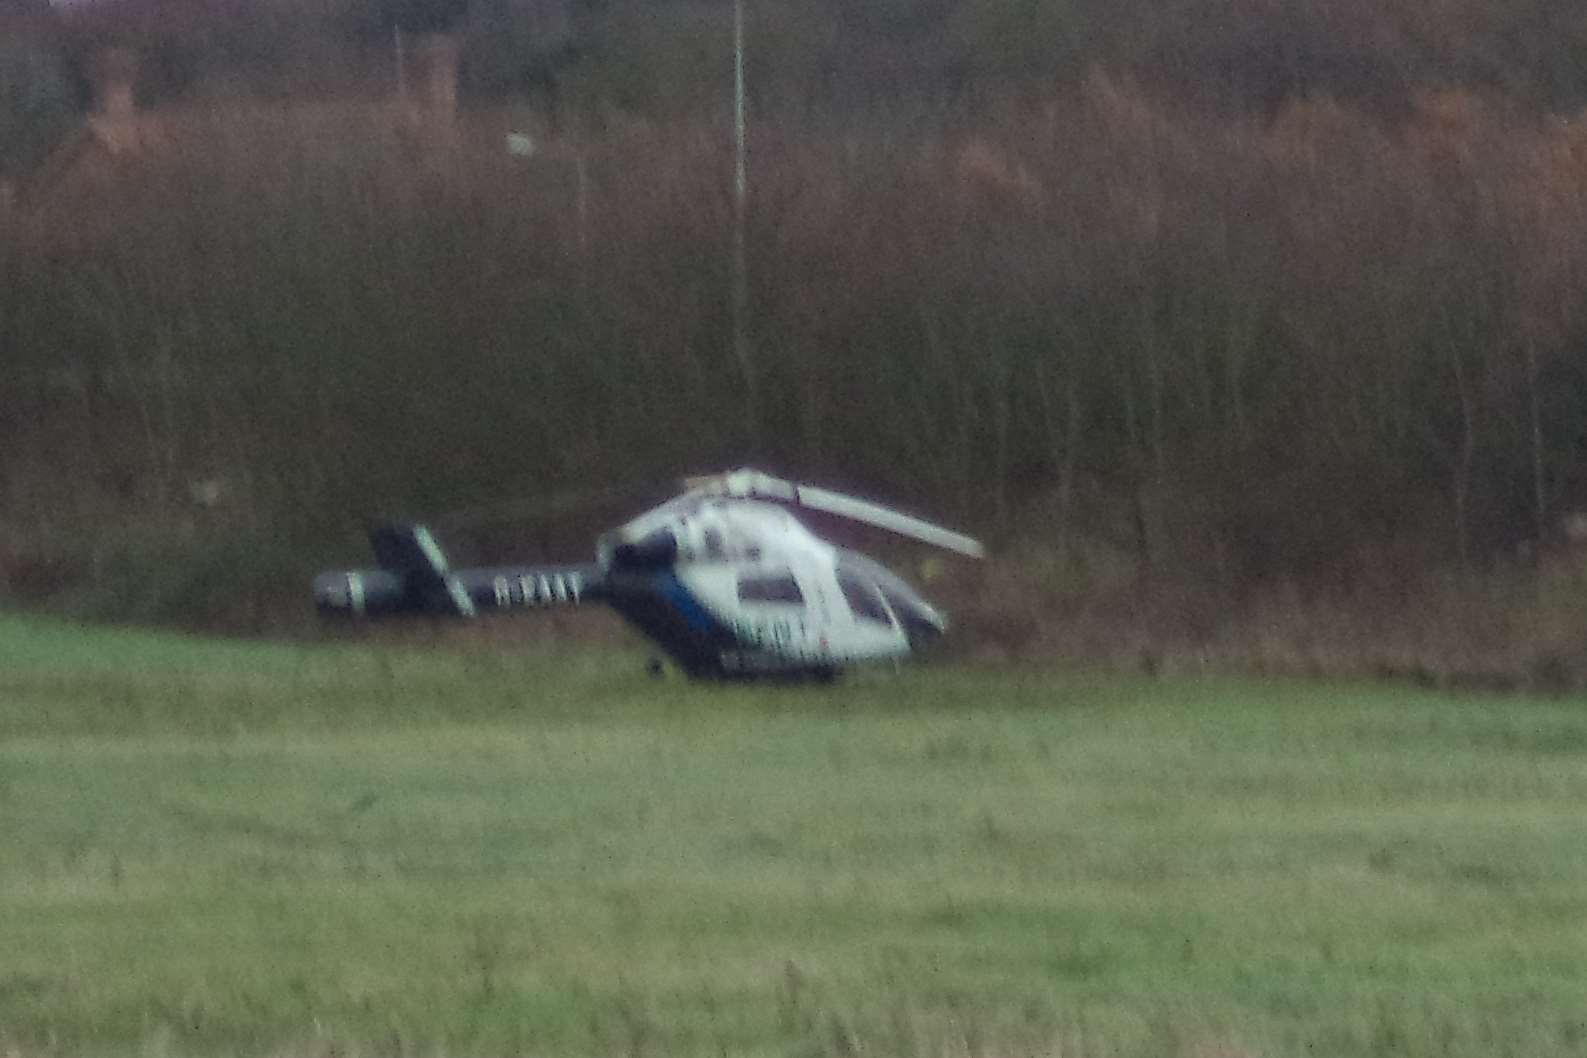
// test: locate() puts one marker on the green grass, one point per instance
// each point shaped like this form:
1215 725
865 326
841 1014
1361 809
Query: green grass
233 848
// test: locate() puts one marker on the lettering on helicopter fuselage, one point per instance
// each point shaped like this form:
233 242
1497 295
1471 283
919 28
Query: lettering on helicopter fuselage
786 637
542 590
773 632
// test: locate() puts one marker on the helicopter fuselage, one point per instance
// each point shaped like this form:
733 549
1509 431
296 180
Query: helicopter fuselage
725 587
756 591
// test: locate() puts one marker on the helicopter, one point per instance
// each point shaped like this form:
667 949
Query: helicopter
724 579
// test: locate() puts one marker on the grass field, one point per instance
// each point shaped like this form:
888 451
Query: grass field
213 848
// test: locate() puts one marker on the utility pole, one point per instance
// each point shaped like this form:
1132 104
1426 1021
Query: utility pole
740 295
399 49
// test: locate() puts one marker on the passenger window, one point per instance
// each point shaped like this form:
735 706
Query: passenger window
779 589
863 601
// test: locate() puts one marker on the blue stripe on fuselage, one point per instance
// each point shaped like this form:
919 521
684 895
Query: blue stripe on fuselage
688 607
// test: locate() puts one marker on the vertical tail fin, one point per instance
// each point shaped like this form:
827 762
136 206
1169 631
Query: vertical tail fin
411 552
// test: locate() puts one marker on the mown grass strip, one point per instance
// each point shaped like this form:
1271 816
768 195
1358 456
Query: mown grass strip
397 851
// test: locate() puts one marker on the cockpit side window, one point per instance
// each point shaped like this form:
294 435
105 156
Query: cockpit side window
713 545
863 600
776 588
909 609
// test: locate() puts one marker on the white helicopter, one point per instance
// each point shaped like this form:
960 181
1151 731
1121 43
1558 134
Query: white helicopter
724 579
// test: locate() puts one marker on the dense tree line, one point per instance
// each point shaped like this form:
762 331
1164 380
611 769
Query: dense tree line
1295 297
825 57
1262 344
824 54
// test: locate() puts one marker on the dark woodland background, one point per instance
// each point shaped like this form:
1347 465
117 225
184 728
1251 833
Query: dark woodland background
1250 332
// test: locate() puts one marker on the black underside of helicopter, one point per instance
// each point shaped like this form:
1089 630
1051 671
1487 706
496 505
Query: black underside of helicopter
660 607
663 610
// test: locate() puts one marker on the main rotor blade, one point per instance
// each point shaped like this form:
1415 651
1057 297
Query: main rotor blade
886 518
754 483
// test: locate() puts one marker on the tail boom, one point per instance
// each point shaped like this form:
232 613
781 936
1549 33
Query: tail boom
384 592
414 577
